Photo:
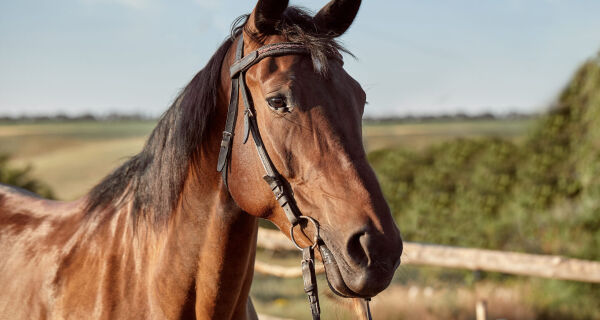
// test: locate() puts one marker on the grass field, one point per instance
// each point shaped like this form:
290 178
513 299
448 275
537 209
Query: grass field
71 157
418 136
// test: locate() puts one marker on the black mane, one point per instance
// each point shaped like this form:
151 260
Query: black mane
154 178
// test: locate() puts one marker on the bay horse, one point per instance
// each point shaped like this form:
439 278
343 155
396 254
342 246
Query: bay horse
164 236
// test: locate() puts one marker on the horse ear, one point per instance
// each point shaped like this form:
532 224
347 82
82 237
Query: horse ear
336 16
266 14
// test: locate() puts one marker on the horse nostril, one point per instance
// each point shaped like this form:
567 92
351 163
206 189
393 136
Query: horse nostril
357 247
371 258
365 249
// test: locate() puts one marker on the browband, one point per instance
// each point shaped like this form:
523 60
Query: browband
276 49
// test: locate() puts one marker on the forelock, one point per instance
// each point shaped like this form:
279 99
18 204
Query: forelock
296 25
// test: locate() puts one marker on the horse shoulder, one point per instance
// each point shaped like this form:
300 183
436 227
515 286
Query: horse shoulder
33 234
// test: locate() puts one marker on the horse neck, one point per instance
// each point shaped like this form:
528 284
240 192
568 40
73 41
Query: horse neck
208 249
209 241
201 261
220 242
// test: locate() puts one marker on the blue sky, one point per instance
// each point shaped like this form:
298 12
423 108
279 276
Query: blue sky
414 57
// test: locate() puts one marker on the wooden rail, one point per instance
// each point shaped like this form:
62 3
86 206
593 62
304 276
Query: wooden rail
546 266
283 272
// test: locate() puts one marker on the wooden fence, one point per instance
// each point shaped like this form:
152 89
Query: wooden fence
546 266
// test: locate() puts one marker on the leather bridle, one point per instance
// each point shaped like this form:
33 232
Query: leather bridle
279 186
237 72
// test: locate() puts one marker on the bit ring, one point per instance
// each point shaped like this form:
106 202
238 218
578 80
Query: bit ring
316 238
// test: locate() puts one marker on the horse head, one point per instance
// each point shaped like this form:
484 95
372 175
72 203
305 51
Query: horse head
308 111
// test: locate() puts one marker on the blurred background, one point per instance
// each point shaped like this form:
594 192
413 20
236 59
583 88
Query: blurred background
482 123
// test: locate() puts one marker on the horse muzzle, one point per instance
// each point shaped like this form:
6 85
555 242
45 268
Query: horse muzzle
364 270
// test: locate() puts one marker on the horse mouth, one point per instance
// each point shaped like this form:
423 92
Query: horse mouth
339 277
334 276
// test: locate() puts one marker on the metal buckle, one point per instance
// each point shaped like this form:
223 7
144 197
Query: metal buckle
279 192
316 237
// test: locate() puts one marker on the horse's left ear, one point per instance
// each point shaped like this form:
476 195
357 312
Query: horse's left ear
336 16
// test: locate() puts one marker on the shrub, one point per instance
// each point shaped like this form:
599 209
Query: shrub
22 178
541 196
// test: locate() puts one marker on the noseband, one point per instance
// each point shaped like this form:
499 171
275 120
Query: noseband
279 186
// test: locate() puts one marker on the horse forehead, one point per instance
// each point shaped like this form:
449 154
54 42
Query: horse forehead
287 65
274 73
251 44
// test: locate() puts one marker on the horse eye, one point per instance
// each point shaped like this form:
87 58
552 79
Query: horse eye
277 103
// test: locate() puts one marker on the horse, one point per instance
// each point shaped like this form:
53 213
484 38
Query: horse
166 236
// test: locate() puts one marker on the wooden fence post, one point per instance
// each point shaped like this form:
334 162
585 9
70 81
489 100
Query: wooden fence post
481 310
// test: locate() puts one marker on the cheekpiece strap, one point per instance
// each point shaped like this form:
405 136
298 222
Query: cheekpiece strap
238 68
232 111
283 194
284 197
281 190
242 63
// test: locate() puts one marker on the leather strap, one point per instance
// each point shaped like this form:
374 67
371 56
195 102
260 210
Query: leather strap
237 72
270 50
232 111
279 187
283 193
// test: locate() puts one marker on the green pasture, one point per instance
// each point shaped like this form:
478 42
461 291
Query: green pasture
419 136
71 157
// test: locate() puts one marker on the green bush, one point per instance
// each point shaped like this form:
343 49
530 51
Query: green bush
438 196
22 178
539 196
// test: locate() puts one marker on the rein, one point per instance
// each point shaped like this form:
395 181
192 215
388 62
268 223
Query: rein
279 186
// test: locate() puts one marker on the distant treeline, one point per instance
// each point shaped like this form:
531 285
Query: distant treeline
367 119
448 117
74 118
